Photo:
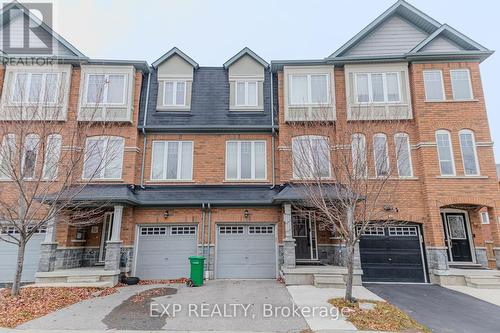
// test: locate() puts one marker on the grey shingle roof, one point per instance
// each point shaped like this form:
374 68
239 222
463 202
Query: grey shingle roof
299 192
209 106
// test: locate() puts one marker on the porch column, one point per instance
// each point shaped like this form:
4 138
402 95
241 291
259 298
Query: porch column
289 241
48 247
113 246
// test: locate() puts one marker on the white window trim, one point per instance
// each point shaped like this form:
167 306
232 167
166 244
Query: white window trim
365 171
102 171
23 160
442 85
311 137
179 160
105 90
381 135
252 159
46 157
4 144
470 84
409 153
174 91
451 153
246 82
309 90
26 95
474 149
483 219
370 90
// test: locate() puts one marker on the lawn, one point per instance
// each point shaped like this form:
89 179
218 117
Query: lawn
378 316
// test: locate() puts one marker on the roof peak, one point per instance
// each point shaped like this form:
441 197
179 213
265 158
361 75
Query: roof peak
175 51
245 51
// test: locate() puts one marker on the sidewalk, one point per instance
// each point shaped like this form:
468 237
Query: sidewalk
8 330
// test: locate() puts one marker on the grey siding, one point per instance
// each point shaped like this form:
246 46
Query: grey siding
441 44
395 36
8 257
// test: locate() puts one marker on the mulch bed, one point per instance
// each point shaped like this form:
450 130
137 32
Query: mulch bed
383 317
37 302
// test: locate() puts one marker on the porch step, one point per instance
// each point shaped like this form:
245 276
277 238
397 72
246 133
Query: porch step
483 281
329 281
83 279
99 284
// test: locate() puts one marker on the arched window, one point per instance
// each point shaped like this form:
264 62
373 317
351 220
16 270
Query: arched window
7 152
403 155
52 156
311 157
358 152
469 153
30 155
445 153
380 151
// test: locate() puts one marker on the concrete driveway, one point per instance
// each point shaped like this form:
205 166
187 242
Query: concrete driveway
222 305
441 309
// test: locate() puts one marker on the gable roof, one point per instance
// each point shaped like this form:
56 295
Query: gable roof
242 53
412 33
175 51
34 18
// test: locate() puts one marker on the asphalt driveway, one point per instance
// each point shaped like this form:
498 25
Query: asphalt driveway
440 309
223 305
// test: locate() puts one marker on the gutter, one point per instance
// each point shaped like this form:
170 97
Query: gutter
144 131
206 128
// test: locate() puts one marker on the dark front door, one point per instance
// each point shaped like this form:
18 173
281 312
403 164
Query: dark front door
458 237
304 234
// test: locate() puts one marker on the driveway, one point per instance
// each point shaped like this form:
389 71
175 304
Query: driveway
441 309
222 305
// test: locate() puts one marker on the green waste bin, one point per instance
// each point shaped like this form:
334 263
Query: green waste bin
197 269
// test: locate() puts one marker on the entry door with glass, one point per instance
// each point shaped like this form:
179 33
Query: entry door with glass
458 237
304 233
107 226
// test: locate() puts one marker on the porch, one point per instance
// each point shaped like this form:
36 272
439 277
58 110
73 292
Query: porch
77 277
475 278
327 276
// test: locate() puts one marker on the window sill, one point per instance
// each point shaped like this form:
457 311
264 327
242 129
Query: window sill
454 101
462 177
173 109
162 181
90 181
259 112
393 178
264 181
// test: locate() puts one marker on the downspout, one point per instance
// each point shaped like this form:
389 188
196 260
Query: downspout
273 144
209 221
144 132
203 229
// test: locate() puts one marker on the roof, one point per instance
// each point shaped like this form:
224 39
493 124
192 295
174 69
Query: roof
175 51
300 192
209 110
245 51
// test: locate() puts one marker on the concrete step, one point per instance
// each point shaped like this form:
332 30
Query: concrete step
329 281
483 281
83 279
100 284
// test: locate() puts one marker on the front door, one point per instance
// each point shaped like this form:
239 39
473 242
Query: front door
107 226
458 237
304 233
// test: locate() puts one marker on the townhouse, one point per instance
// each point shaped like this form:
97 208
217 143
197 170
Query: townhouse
202 162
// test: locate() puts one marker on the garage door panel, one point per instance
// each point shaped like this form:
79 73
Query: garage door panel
8 259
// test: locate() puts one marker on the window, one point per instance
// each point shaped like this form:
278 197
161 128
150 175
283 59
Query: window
469 154
30 154
358 151
378 87
309 89
381 155
174 93
172 160
403 231
246 160
189 230
403 155
445 153
460 84
230 230
433 84
7 152
103 158
246 93
311 157
105 89
150 231
35 88
261 230
372 231
52 156
485 218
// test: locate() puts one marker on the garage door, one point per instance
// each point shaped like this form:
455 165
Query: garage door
246 252
392 254
8 258
163 251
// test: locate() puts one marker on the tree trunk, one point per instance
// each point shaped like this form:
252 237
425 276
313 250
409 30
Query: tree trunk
351 237
16 284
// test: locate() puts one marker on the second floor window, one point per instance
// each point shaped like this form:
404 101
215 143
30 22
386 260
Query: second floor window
52 156
30 155
311 157
103 158
403 155
460 84
35 88
445 153
309 89
246 93
378 88
433 84
358 151
381 155
7 153
174 93
105 89
469 154
246 160
172 160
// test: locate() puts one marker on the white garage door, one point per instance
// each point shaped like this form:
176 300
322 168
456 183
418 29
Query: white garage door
8 258
246 252
163 251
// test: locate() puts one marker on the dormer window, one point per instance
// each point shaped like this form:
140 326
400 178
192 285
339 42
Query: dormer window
174 93
246 93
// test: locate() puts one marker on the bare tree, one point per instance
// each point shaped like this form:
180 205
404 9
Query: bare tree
344 172
42 157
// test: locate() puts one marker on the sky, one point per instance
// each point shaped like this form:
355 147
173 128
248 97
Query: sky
211 32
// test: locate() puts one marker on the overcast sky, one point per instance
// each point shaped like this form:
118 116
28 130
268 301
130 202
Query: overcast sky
212 31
